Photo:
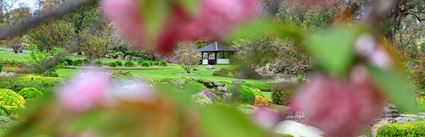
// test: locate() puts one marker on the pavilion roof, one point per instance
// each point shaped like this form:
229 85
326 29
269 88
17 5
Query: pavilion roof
215 47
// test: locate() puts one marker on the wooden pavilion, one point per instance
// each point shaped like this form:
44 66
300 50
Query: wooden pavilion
215 53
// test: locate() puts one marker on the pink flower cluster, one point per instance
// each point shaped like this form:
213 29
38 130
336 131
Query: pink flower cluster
93 88
85 91
265 117
214 19
340 107
368 48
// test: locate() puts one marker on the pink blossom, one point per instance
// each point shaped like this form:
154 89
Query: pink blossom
265 117
381 59
214 19
368 48
86 90
340 107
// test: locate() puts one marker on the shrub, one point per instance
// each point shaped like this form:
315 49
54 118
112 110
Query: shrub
11 100
407 129
112 64
129 64
29 93
50 73
225 72
1 67
119 63
247 95
281 93
45 84
261 101
419 73
7 122
98 63
144 63
78 62
69 62
163 63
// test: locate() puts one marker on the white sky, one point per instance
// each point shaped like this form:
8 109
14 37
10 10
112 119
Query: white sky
28 3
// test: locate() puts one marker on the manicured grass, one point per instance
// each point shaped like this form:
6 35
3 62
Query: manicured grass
8 55
175 71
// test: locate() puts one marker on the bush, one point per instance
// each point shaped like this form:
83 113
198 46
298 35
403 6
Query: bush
407 129
1 67
419 73
225 72
261 101
112 64
29 93
98 63
144 63
129 64
247 95
50 73
11 100
281 93
78 62
45 84
119 63
69 62
163 63
7 122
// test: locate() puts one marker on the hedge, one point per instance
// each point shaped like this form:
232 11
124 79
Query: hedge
29 93
407 129
45 84
11 100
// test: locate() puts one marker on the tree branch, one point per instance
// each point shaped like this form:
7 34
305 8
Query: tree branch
68 7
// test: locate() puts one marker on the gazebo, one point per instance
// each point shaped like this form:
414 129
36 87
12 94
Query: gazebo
215 53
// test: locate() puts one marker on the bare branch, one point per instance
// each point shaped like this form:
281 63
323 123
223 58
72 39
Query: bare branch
68 7
378 10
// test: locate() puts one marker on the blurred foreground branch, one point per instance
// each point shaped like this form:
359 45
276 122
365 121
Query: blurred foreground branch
67 7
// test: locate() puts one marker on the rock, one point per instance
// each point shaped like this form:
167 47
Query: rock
297 129
210 67
390 111
375 127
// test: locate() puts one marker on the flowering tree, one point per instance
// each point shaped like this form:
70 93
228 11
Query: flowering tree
187 56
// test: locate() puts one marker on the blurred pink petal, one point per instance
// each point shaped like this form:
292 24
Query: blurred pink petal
86 90
366 45
132 90
368 48
214 20
338 107
380 59
265 117
124 14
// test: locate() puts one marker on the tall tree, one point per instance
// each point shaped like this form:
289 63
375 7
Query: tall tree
52 34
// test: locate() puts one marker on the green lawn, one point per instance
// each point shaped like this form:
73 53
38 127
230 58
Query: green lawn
151 73
175 71
8 55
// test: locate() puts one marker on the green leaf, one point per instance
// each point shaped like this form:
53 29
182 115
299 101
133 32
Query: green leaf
154 14
190 5
396 87
224 121
264 26
333 49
